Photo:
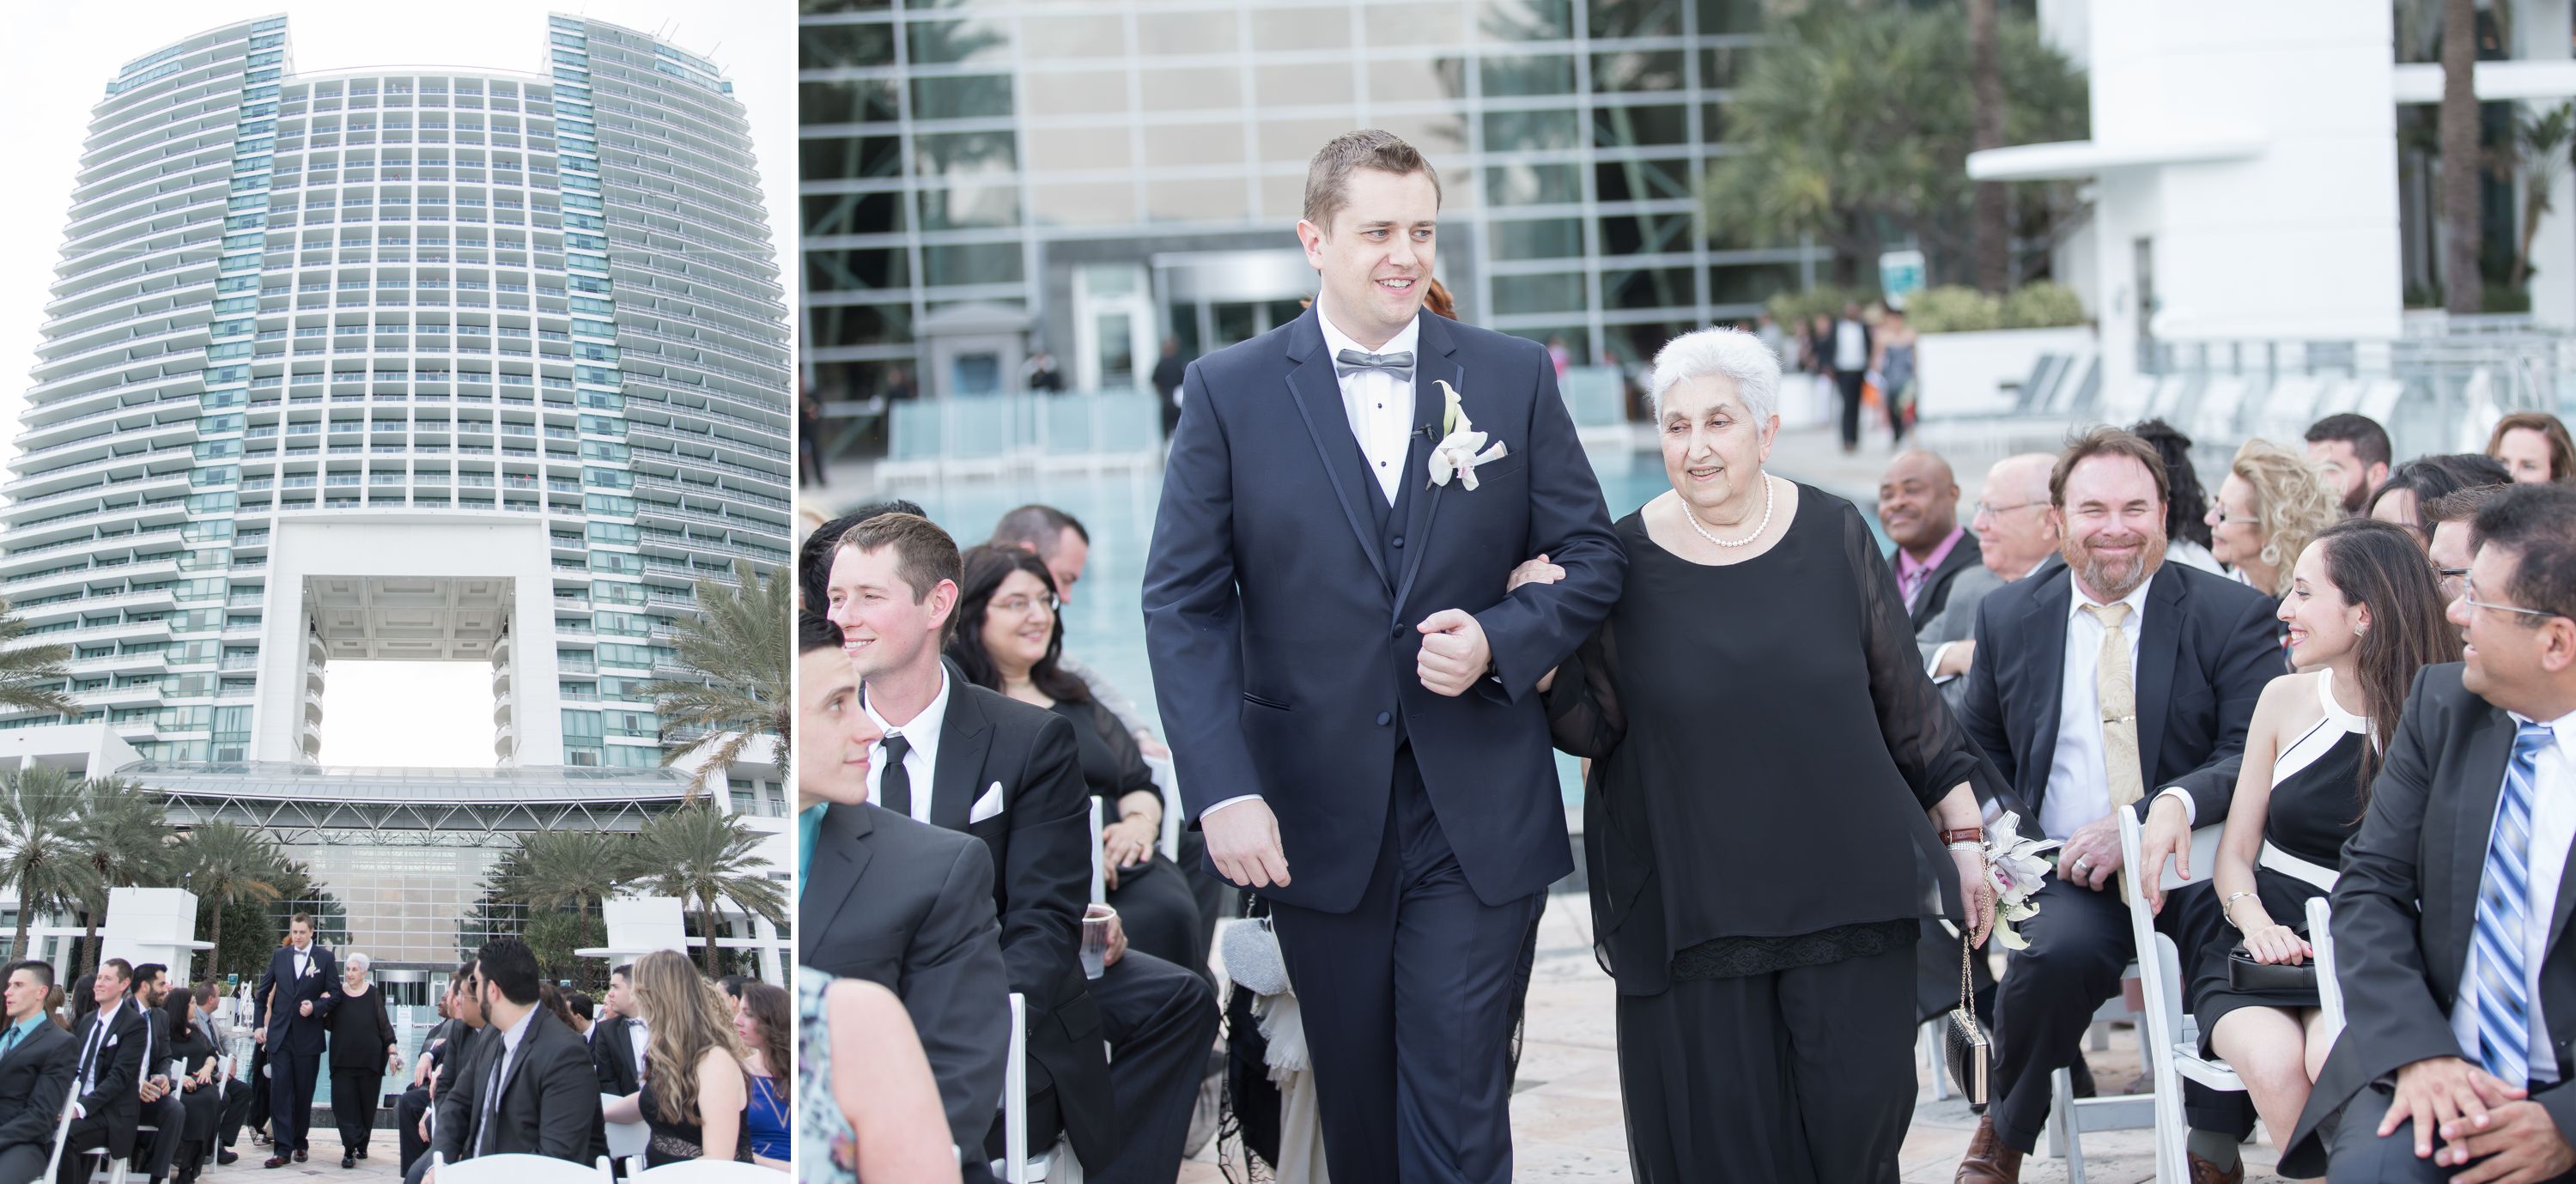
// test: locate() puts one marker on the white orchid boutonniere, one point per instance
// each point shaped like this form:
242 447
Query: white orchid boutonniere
2014 869
1461 447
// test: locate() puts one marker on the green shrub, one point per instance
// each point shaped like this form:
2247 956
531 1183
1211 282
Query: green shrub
2042 305
1797 308
1953 308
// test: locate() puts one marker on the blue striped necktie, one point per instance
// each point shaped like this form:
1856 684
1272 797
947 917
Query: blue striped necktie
2504 893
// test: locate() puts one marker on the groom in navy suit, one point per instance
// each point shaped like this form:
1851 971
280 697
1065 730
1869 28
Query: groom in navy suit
1347 688
295 999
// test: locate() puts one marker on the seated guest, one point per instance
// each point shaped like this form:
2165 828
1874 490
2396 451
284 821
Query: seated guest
2016 537
36 1063
617 1046
221 1079
107 1082
2459 1001
192 1044
875 1116
764 1023
362 1051
893 592
814 555
162 1111
584 1012
1918 505
530 1089
732 984
2422 480
2453 521
2270 505
693 1096
2353 453
1010 639
2187 504
443 1056
2058 655
927 926
2534 448
2365 615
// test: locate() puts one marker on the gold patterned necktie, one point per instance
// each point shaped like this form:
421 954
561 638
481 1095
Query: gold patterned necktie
2118 694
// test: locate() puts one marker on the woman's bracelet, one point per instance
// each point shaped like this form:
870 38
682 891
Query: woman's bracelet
2228 909
1979 848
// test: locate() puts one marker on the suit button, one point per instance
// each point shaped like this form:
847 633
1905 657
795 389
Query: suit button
1399 540
1384 718
1398 631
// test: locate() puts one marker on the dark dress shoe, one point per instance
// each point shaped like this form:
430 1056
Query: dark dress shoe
347 1161
277 1161
227 1157
2205 1172
299 1155
1988 1160
362 1153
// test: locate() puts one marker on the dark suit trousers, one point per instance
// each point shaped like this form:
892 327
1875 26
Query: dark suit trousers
153 1152
87 1135
1409 1001
2079 944
409 1109
353 1105
1847 386
1161 1023
258 1083
291 1078
238 1099
24 1162
2357 1155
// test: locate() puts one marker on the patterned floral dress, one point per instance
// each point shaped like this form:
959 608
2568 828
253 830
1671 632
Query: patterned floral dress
829 1149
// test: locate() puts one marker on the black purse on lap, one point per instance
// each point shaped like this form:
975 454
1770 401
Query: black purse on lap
2244 974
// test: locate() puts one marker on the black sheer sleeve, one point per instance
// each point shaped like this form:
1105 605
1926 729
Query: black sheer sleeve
1583 710
1929 747
1125 757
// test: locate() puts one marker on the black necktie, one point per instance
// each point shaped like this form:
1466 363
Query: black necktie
894 788
1399 363
10 1041
89 1050
491 1101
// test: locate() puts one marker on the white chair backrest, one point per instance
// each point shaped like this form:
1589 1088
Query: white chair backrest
625 1138
521 1169
707 1171
1099 883
2159 973
1015 1083
2329 988
2292 403
62 1135
2219 403
2379 399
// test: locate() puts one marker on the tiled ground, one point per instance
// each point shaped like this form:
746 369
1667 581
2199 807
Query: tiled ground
1566 1119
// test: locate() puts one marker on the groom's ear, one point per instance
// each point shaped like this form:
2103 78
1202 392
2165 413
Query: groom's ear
1311 237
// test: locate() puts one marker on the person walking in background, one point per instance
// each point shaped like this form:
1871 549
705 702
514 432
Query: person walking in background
1848 349
809 437
1893 363
362 1052
1168 370
2534 448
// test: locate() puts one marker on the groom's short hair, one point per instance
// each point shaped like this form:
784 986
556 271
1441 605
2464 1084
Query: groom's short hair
1328 175
924 554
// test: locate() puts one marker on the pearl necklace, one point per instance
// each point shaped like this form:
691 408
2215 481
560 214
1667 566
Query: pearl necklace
1692 516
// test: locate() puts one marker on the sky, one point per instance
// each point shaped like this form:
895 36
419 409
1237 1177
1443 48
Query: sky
63 56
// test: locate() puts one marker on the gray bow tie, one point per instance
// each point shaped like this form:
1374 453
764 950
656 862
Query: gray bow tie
1399 363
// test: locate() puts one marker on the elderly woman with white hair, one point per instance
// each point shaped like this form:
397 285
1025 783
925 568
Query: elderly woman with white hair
362 1052
1770 768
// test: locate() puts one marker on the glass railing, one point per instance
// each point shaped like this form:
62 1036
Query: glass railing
1005 427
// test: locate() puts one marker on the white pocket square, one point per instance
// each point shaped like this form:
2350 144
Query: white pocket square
986 806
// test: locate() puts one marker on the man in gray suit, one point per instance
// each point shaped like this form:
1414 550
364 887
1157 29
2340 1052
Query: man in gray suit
900 903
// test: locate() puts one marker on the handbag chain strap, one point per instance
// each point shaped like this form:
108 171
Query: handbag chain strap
1967 992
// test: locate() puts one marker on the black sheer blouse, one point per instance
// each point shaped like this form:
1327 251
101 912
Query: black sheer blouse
1765 746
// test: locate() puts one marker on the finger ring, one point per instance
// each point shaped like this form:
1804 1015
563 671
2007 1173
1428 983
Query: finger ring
2082 862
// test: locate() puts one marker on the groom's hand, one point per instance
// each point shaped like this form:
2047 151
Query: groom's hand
1454 652
1243 842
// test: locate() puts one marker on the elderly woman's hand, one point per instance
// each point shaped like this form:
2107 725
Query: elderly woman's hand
1533 571
1976 894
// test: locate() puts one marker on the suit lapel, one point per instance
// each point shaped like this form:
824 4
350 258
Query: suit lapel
1430 408
840 857
2482 763
2046 623
2159 640
964 737
1318 395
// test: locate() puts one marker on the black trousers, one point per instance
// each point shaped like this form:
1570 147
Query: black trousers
291 1079
1161 1021
1802 1076
257 1080
353 1105
2079 944
1409 1001
1847 386
87 1134
153 1152
1161 916
239 1097
409 1109
22 1163
2357 1155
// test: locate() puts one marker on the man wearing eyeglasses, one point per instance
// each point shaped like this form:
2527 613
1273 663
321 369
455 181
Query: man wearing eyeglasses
2452 521
2016 537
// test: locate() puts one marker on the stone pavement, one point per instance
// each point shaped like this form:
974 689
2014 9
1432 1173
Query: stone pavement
1566 1118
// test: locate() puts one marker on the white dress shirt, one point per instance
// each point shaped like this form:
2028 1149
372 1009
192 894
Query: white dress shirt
2553 827
2079 787
638 1037
490 1106
1379 403
922 758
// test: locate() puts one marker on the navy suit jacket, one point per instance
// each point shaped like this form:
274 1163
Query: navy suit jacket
289 1032
2208 650
1283 634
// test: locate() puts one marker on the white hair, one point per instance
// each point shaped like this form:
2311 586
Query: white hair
357 962
1731 353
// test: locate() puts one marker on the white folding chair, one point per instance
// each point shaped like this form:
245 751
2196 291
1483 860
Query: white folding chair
2172 1040
2379 398
1099 882
706 1171
2329 988
62 1135
2220 403
1059 1165
626 1140
519 1169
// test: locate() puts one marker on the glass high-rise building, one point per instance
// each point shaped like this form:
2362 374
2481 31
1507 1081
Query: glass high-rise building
1091 174
419 363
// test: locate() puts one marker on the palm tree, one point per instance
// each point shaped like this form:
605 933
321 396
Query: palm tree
2463 289
227 862
39 808
742 648
29 674
124 831
2540 142
1993 236
700 855
556 869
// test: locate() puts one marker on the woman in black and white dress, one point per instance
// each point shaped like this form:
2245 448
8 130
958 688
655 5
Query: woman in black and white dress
2364 611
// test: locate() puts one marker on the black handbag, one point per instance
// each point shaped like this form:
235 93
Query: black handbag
1964 1043
2246 974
